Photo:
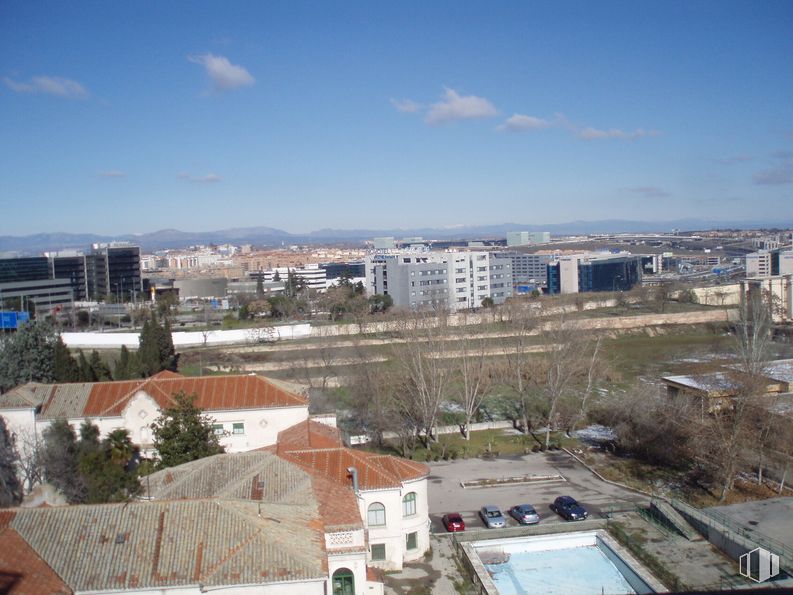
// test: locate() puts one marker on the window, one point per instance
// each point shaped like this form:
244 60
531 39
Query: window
409 504
217 429
378 552
376 517
238 428
412 541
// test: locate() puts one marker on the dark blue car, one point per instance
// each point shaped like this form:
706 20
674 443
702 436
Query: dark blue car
568 508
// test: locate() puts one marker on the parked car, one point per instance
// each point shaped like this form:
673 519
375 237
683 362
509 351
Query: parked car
525 514
453 522
492 517
567 507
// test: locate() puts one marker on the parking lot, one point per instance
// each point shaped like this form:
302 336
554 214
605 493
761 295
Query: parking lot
447 495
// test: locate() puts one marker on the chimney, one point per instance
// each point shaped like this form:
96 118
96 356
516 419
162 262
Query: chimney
354 473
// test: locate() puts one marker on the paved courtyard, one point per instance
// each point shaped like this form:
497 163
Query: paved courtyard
772 518
447 495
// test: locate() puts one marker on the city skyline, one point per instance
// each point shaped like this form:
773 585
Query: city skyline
134 118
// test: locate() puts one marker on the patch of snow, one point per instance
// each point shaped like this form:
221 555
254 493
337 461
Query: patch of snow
595 434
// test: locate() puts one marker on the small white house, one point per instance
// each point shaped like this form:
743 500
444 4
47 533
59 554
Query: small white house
249 410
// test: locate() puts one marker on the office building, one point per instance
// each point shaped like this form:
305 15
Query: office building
453 280
14 270
528 268
577 273
114 270
43 297
312 275
385 243
72 266
527 238
769 263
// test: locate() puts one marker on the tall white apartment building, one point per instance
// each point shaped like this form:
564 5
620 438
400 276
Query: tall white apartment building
453 280
769 263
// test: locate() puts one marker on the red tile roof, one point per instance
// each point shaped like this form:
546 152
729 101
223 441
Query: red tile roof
22 571
309 434
214 393
309 445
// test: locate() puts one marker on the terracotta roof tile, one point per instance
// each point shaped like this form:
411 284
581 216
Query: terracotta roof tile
22 571
309 434
155 545
304 443
108 399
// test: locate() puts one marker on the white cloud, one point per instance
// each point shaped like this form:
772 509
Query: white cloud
596 133
406 106
224 75
523 123
48 85
648 191
112 173
454 106
209 178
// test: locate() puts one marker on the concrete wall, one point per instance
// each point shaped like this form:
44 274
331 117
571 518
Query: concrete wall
190 339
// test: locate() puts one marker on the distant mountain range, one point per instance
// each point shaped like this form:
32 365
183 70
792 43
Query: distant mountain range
268 236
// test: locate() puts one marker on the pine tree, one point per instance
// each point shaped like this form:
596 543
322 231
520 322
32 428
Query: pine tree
10 485
156 352
99 368
86 371
27 355
60 460
127 366
64 366
182 433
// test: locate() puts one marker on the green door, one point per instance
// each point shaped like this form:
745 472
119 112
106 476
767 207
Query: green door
343 582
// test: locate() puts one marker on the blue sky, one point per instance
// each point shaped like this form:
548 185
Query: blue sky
123 117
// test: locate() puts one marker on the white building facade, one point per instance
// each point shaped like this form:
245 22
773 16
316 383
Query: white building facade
451 280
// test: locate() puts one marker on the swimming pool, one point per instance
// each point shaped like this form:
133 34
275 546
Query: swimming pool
580 563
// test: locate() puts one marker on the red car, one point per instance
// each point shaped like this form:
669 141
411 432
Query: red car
453 522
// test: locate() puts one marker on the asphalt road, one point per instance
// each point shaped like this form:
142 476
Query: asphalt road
447 495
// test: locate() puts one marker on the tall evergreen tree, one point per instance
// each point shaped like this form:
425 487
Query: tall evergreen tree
27 355
156 352
10 485
60 461
100 370
182 433
64 366
86 371
127 366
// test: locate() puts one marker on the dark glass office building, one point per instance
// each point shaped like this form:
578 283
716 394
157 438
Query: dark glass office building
115 271
33 268
335 270
74 269
617 273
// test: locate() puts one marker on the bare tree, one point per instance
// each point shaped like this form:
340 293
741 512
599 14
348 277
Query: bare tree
29 445
474 376
520 360
425 372
730 429
566 360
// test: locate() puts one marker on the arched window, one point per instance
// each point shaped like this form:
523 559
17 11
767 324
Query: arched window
376 515
409 504
343 582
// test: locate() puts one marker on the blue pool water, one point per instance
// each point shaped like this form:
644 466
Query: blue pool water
579 570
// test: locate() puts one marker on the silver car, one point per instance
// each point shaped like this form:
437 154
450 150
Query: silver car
525 514
492 517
